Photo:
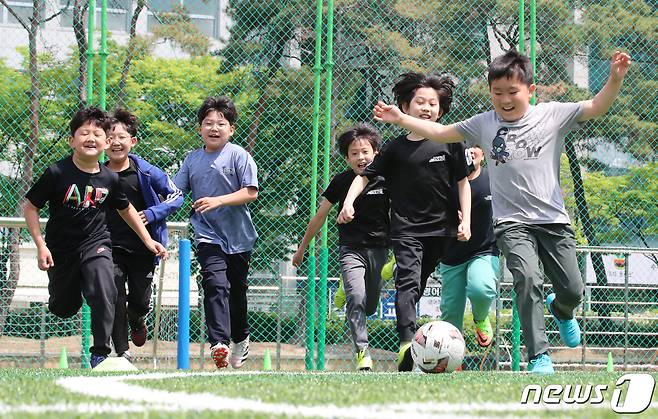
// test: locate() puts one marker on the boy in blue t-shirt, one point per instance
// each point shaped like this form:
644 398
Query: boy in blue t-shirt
524 144
222 178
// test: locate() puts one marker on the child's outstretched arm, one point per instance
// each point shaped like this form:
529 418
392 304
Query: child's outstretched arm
347 212
44 257
600 103
464 229
311 231
131 217
428 129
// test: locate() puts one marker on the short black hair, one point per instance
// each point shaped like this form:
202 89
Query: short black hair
221 104
91 114
407 84
125 117
361 131
510 65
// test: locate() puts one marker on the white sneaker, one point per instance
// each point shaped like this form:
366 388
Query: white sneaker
219 353
239 353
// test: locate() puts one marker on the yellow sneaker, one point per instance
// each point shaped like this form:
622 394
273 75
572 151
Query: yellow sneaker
405 361
363 360
388 271
339 296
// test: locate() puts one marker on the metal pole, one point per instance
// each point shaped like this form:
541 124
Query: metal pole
310 283
158 308
86 311
278 324
102 52
184 304
324 251
626 273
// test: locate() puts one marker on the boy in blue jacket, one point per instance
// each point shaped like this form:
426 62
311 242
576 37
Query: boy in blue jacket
154 196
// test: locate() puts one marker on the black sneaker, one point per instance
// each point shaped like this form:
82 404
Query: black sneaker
405 361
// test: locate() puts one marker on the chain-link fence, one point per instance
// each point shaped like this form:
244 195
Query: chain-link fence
164 57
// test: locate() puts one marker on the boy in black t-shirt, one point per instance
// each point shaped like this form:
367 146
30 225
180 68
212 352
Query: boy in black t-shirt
364 242
420 175
155 197
77 252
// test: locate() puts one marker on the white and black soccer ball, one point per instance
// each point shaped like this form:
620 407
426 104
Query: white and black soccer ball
438 347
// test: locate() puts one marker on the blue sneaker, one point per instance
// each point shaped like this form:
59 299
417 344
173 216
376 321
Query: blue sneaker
541 364
569 329
96 359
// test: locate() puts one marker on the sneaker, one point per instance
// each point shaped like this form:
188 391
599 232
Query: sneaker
127 356
96 359
484 332
138 332
388 269
339 296
541 364
363 360
569 329
239 353
405 361
219 352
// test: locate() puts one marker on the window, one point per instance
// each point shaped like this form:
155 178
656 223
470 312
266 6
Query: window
118 14
22 8
203 13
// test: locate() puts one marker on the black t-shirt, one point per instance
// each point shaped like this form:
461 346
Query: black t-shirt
370 225
123 236
420 176
482 240
77 204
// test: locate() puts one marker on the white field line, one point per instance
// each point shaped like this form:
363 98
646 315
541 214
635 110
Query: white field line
145 400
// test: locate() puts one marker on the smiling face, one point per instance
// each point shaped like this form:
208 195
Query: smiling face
121 142
360 155
424 104
510 97
215 130
88 142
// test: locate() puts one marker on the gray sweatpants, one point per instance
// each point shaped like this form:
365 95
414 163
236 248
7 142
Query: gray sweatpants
523 246
361 271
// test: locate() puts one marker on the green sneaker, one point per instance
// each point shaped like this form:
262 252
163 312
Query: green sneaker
484 332
339 296
405 361
388 269
363 360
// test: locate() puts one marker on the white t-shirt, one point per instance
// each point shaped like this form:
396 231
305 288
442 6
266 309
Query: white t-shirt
523 158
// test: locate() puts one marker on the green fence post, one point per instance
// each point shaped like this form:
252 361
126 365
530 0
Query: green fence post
86 311
324 251
310 285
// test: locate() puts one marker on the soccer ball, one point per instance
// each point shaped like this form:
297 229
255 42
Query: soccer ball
438 347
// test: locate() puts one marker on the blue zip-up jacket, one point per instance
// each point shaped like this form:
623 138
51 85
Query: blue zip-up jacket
161 196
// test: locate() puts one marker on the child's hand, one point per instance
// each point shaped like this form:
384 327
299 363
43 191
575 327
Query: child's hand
297 258
346 215
142 217
157 249
619 65
464 232
45 258
387 113
206 204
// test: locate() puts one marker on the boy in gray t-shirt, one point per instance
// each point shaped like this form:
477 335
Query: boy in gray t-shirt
223 179
524 144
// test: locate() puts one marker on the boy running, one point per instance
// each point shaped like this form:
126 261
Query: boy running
363 243
77 251
155 197
420 175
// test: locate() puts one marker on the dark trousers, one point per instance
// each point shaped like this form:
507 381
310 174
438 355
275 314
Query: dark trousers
416 259
135 271
224 281
86 272
523 246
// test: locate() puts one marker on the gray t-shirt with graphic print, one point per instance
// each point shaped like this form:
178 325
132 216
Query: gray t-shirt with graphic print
219 173
523 158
